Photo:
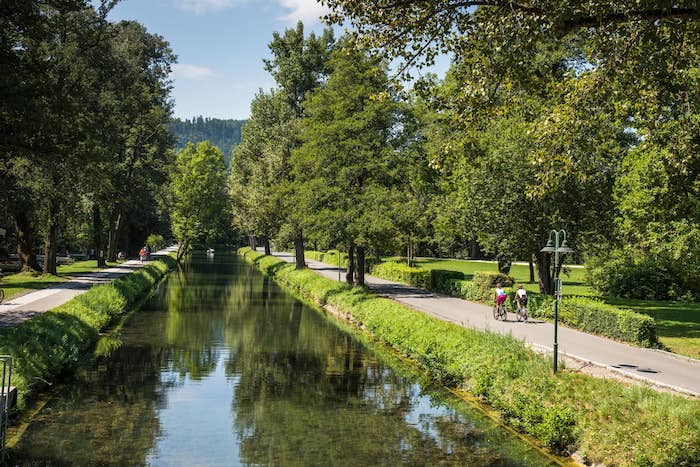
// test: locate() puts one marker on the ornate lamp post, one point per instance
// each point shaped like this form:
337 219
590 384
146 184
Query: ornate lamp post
557 249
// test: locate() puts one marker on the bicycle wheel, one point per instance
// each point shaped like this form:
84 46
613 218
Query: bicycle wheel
495 312
503 312
524 314
519 313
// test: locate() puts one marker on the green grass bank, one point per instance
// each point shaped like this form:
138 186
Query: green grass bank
604 421
49 345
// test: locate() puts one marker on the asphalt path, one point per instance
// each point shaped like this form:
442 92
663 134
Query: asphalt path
657 367
15 310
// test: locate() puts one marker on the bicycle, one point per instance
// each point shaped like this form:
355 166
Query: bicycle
521 311
499 312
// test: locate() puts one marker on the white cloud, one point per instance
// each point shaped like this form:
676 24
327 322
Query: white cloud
307 11
205 6
183 70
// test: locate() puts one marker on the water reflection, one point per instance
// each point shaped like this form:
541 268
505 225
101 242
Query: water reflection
222 367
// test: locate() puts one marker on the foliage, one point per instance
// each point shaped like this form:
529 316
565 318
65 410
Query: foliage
84 106
260 166
51 344
155 241
659 226
603 419
348 171
200 194
402 273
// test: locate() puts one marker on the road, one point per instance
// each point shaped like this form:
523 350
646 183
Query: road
18 309
664 369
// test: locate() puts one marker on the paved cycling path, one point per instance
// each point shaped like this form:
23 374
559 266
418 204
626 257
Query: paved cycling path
15 310
657 367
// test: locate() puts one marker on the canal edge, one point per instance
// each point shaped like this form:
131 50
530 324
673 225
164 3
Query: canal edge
463 395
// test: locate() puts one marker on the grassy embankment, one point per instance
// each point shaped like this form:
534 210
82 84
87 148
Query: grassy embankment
53 343
604 421
677 322
23 282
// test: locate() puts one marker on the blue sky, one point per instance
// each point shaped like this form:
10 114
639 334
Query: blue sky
220 45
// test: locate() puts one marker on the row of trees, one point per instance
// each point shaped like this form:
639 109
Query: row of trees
548 118
84 108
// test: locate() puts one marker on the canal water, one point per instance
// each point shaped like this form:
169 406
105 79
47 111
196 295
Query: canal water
223 367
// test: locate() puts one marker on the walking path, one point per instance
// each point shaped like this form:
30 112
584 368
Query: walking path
654 366
18 309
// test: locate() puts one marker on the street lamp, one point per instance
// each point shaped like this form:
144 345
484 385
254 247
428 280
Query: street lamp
557 249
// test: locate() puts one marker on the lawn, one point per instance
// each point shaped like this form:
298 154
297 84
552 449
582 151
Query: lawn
678 323
23 282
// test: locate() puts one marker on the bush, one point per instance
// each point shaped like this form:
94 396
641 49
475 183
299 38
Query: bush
52 343
486 281
155 241
401 273
440 279
467 290
600 318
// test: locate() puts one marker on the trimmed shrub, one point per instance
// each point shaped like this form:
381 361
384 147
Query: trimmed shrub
440 279
467 290
600 318
401 273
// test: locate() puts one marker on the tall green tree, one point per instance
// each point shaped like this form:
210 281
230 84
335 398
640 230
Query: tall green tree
299 65
260 164
346 168
200 196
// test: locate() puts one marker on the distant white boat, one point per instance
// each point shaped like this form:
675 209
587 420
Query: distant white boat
210 251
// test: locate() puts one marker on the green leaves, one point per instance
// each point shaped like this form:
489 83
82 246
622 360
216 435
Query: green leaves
200 204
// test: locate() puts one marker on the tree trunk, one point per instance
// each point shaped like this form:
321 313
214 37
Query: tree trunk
543 262
360 269
504 266
299 252
349 276
182 249
251 241
50 239
97 237
266 242
532 270
25 241
114 231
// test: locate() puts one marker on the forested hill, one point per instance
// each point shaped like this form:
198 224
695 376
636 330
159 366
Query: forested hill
224 134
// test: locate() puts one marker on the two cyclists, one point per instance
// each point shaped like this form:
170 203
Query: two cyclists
500 297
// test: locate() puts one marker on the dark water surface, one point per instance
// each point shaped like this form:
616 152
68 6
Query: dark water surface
223 367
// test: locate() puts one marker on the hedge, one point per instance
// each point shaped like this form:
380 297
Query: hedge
402 273
605 421
600 318
52 343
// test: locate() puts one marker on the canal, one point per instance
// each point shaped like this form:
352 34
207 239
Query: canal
223 367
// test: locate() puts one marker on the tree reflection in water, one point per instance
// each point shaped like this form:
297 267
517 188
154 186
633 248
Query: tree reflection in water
222 363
